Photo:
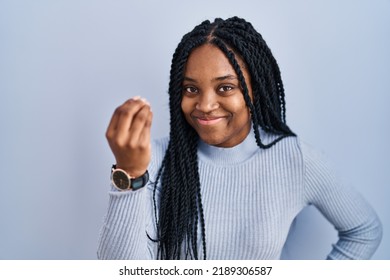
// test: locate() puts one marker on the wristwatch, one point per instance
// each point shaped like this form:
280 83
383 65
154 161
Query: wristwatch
123 181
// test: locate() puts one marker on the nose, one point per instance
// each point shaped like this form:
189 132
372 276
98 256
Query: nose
207 102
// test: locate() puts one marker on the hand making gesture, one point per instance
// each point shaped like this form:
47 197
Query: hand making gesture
128 135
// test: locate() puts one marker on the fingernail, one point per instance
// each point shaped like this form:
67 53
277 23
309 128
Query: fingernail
145 101
136 97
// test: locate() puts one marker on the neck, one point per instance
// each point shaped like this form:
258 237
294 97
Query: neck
231 155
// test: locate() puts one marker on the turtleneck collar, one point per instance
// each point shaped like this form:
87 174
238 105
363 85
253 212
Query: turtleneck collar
228 156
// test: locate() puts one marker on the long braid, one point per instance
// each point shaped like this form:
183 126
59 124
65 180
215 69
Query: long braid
229 54
180 209
265 73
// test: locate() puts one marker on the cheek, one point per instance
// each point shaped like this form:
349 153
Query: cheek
186 107
240 111
237 105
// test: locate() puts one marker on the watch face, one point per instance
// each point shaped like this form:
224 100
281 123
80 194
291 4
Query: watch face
120 179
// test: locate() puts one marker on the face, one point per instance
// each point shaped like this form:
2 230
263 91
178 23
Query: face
213 102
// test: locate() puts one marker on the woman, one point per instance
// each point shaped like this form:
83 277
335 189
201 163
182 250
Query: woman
232 175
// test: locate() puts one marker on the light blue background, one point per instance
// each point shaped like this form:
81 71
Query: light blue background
66 65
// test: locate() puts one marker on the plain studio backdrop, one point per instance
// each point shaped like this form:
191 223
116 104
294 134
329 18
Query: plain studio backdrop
66 65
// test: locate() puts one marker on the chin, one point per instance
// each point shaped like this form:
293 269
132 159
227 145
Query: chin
211 141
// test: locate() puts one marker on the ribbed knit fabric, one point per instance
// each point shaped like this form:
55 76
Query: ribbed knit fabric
250 197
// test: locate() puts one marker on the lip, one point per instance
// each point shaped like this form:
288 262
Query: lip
209 121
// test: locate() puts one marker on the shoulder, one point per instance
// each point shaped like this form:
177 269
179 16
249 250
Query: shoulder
316 162
310 153
315 165
322 180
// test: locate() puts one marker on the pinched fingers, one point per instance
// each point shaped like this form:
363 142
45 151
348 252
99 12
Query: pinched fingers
140 125
144 137
128 135
122 119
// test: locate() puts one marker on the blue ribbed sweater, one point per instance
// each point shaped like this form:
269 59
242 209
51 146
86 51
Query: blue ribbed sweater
250 197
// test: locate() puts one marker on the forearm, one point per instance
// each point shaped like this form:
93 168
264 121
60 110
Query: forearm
358 243
359 227
123 235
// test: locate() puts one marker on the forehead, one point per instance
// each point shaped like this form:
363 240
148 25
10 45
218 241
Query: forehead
208 60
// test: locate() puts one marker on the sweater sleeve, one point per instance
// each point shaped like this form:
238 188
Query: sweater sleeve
130 217
123 235
359 228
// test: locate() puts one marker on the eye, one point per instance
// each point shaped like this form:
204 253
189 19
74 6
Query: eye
190 90
225 88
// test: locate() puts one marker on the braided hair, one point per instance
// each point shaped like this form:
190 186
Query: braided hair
180 206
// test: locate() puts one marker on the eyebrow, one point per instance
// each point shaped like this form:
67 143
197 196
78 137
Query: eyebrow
222 78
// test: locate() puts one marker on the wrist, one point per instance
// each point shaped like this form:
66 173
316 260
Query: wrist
123 181
133 173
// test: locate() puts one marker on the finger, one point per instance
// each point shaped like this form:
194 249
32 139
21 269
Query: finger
126 114
140 115
138 125
112 125
144 137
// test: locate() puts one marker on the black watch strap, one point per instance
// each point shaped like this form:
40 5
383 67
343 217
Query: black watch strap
136 183
140 182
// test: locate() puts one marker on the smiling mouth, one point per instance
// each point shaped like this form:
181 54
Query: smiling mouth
208 121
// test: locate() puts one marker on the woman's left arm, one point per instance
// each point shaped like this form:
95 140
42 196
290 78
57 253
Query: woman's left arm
359 228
